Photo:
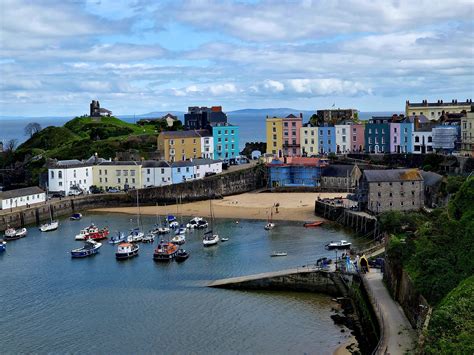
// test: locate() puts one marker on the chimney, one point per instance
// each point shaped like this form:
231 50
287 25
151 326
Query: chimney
301 115
441 101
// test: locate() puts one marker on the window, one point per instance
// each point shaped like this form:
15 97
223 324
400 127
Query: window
100 179
182 141
413 193
60 183
118 180
354 138
52 174
370 130
162 170
60 174
225 132
187 170
401 184
401 203
179 170
293 133
148 171
394 129
378 184
117 172
126 180
430 139
132 172
171 142
321 132
125 173
274 129
133 180
379 194
285 124
390 194
329 142
105 179
274 137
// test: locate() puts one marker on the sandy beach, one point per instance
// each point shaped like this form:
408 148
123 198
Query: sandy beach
292 206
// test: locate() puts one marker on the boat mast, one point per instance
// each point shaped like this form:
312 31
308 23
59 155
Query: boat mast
138 212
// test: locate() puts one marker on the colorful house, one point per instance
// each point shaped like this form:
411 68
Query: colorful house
118 174
357 137
327 139
283 135
343 141
179 145
274 133
401 137
377 135
182 171
226 142
309 140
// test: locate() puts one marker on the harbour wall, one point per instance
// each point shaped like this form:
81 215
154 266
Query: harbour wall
359 222
217 186
348 287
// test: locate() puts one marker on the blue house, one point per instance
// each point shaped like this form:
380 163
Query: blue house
226 142
377 135
182 171
296 171
327 140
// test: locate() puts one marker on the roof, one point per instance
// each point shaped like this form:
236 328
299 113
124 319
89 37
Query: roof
204 133
431 178
291 116
120 163
68 164
393 175
338 170
32 190
155 164
439 104
203 161
305 161
180 164
104 110
180 134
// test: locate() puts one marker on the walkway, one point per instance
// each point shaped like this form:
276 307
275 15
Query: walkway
399 337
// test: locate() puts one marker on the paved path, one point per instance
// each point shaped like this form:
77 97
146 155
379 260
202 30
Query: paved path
399 337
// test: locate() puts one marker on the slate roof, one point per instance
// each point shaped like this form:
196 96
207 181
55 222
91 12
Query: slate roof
27 191
437 104
120 163
393 175
337 170
180 134
180 164
68 164
431 178
155 164
204 161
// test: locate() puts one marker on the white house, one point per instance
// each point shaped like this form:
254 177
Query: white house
156 173
207 146
343 142
21 197
206 167
422 142
65 175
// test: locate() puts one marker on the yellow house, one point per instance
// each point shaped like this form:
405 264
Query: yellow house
179 145
274 128
118 174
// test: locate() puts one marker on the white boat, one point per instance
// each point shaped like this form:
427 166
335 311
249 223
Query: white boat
338 245
90 248
148 238
135 236
49 227
279 253
120 237
224 239
197 222
178 239
12 233
210 239
174 224
270 225
52 225
84 233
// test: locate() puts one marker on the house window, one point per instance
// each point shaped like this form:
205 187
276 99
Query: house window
60 183
125 173
148 171
60 174
182 141
52 174
171 142
132 172
274 129
118 180
133 180
179 170
117 172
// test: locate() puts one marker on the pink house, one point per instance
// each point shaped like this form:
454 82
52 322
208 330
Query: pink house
357 137
291 135
394 136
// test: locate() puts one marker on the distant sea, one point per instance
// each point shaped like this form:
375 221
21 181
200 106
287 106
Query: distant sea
251 122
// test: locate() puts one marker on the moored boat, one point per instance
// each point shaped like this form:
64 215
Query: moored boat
126 251
224 239
338 245
148 238
178 239
313 224
49 227
210 239
165 251
279 253
99 235
90 248
118 238
3 245
135 236
12 233
84 233
181 255
75 217
269 226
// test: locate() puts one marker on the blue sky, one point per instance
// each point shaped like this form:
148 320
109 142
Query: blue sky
141 56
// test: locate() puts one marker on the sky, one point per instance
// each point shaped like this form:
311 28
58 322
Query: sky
139 56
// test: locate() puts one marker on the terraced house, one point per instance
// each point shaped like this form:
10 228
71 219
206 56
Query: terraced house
226 142
377 135
179 145
283 135
122 175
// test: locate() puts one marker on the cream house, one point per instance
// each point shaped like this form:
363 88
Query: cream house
118 174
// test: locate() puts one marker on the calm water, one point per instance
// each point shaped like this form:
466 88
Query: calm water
51 303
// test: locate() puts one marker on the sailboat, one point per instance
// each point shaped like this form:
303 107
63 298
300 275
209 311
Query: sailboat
52 225
159 227
210 238
136 235
270 225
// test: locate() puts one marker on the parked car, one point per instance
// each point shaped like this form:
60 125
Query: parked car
96 190
209 173
113 190
58 194
75 192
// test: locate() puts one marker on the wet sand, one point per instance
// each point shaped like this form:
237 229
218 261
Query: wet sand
292 207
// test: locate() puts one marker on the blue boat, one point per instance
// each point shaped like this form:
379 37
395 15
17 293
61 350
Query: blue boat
3 245
170 218
90 248
76 217
119 238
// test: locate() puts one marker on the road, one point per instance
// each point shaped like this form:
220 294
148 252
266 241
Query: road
399 336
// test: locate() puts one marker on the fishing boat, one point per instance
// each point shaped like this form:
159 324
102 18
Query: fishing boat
75 217
270 225
338 245
3 245
278 253
84 233
90 248
165 251
181 255
52 225
313 224
12 233
126 251
148 238
118 238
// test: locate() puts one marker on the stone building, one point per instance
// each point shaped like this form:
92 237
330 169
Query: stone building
434 110
391 190
97 111
335 116
340 177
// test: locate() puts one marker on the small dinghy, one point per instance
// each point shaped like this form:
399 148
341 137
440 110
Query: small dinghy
90 248
269 226
181 255
279 253
75 217
178 239
313 224
3 245
338 245
224 239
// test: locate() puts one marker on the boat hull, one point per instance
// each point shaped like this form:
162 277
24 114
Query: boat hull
181 257
313 224
84 253
49 227
128 255
338 247
3 246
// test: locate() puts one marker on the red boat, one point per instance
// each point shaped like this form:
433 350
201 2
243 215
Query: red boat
313 224
99 235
